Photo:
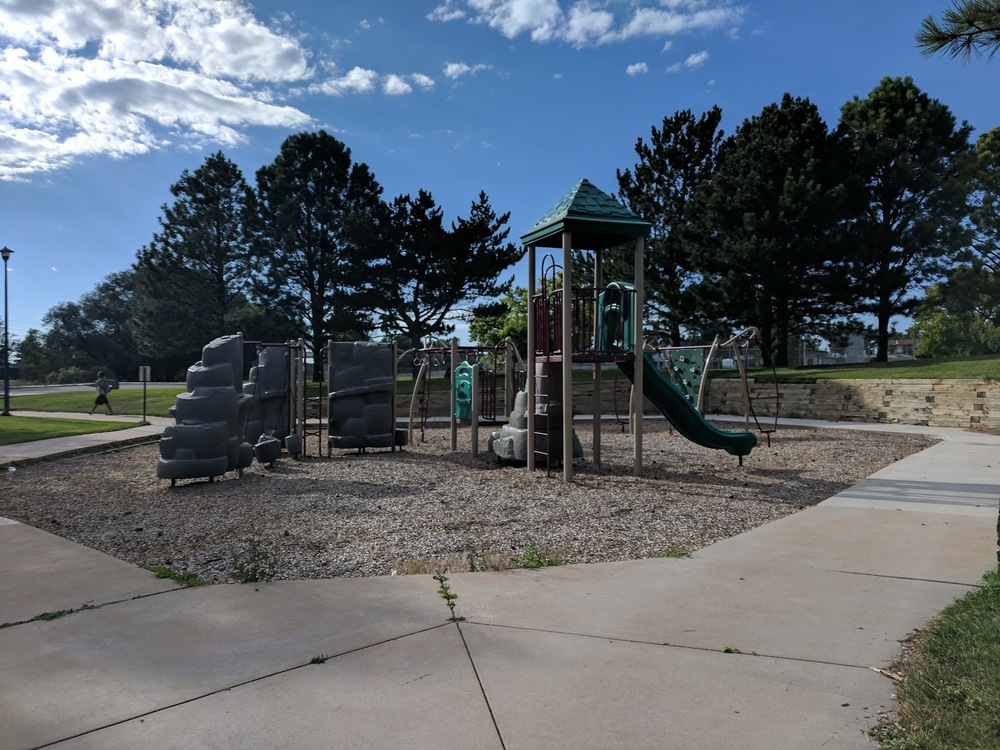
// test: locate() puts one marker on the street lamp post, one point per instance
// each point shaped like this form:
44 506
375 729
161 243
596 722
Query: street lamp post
6 252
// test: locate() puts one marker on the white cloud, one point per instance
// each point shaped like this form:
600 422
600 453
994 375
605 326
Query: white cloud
424 82
539 18
636 68
692 61
586 24
592 22
458 69
449 11
119 78
357 80
696 60
395 85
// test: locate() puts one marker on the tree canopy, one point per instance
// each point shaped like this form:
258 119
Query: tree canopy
678 160
429 273
318 215
208 232
909 164
967 28
766 239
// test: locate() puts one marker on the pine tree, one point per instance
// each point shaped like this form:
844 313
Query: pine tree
767 239
910 160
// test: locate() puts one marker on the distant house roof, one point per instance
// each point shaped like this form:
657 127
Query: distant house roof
594 219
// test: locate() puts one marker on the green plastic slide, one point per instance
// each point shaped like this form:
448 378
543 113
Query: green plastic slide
685 418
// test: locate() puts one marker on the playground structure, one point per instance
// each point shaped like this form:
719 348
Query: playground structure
362 396
570 324
596 325
222 423
474 392
687 367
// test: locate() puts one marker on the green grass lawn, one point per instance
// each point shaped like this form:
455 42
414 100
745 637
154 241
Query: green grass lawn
15 429
158 400
950 695
985 366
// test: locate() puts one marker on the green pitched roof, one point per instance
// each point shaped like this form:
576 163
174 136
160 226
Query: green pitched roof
594 219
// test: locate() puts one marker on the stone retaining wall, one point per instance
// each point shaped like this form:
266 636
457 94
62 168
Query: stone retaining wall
937 403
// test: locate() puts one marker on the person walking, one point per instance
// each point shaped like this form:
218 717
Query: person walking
102 394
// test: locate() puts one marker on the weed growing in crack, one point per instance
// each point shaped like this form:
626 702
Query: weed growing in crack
449 596
674 552
182 579
539 556
253 563
321 659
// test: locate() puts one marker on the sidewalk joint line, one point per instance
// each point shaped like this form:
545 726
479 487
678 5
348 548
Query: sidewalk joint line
87 607
482 689
234 686
667 644
902 578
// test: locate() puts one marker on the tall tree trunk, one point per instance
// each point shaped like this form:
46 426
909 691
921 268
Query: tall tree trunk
882 338
780 353
318 356
675 334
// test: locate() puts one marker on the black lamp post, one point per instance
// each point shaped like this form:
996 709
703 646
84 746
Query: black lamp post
6 252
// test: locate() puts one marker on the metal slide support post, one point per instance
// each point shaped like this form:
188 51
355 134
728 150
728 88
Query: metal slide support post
6 252
300 379
703 386
637 323
451 401
414 398
508 377
392 397
567 357
530 375
476 405
598 282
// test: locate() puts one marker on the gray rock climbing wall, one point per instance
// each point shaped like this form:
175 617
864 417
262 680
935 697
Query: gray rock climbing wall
362 382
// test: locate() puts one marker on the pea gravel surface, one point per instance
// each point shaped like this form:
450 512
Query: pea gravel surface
426 508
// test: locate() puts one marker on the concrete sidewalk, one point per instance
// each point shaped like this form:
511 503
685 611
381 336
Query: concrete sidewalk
11 454
765 640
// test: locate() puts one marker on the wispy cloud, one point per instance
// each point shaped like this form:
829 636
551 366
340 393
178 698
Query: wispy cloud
357 80
455 70
424 82
583 23
395 85
120 78
692 61
637 69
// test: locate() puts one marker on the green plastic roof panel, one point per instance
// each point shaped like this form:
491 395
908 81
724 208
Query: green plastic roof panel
594 219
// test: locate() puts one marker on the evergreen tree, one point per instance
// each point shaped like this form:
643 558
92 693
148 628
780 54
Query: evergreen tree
679 158
94 332
985 200
969 27
318 215
509 318
431 273
33 360
169 336
767 239
207 232
909 159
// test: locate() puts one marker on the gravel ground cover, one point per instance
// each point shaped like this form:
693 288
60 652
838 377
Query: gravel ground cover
426 508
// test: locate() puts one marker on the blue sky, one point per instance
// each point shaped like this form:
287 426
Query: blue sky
103 103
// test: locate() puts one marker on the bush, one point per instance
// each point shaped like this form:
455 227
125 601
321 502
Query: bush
70 375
